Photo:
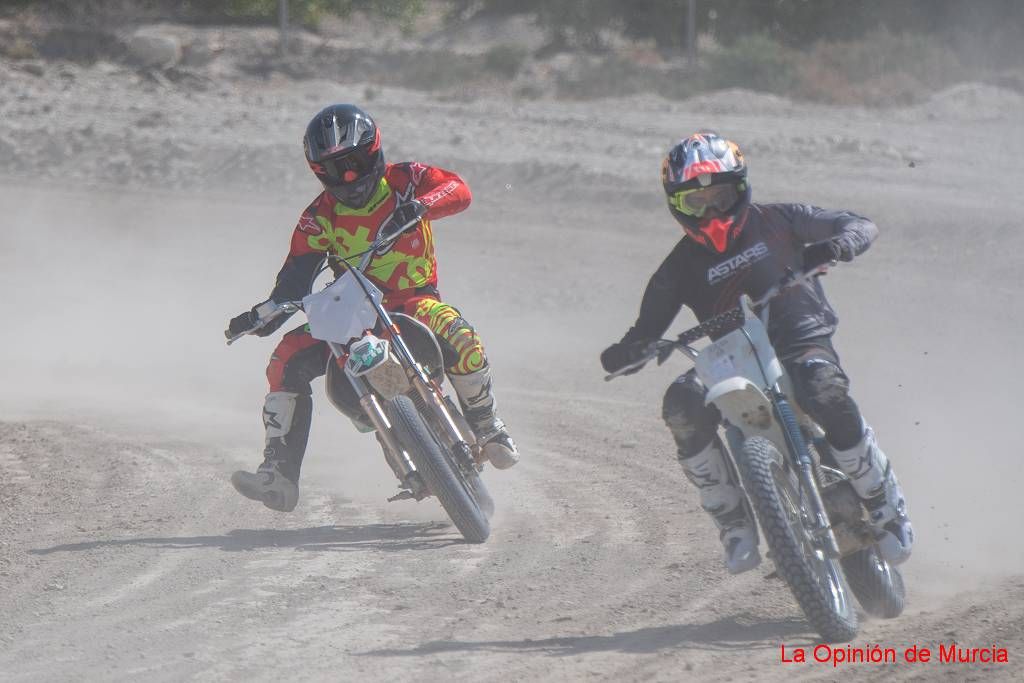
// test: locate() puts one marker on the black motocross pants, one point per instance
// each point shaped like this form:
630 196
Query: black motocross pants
820 386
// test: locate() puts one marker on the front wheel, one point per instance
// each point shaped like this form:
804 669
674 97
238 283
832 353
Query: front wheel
877 584
441 476
480 493
816 580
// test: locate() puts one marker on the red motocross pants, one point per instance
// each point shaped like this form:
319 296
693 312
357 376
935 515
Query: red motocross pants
299 358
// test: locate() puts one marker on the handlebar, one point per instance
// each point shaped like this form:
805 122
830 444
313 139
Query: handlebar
714 326
275 310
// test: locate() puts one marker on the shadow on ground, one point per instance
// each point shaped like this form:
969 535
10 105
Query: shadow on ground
400 536
734 633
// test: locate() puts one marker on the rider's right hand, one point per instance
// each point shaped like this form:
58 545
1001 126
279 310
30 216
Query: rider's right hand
821 255
241 323
404 214
621 354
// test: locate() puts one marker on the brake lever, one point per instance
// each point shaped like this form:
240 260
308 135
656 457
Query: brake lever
232 340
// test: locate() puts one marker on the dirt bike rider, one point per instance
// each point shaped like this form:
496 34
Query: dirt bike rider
363 196
732 246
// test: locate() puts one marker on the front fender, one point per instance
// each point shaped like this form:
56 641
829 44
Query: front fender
747 408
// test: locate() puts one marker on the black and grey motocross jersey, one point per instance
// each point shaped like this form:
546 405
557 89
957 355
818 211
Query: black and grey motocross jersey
772 240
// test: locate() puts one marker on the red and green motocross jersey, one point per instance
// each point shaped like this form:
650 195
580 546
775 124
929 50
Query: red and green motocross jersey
329 227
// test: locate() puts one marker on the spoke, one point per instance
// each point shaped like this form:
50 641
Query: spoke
825 573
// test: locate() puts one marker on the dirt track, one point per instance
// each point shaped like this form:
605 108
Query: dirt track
124 552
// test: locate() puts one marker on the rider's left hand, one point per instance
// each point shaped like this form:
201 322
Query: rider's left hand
403 214
241 323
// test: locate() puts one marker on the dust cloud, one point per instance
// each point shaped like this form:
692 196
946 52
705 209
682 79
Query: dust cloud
119 284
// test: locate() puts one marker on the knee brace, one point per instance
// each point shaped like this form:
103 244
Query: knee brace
460 344
692 423
823 391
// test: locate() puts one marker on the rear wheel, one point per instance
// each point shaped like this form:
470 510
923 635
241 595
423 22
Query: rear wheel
442 476
816 580
878 585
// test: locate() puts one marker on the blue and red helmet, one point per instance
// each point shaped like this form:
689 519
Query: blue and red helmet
705 181
343 149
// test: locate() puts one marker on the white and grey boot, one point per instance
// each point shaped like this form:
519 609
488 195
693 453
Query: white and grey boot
724 500
286 417
873 479
477 399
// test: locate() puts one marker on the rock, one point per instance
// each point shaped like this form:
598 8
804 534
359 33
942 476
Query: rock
914 156
153 50
198 52
34 68
105 68
851 145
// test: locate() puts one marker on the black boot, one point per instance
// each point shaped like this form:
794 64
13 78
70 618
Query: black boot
286 416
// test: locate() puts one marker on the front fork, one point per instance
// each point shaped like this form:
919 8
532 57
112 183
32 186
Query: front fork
398 460
430 394
822 527
432 397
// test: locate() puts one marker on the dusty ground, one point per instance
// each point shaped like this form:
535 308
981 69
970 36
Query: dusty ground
139 215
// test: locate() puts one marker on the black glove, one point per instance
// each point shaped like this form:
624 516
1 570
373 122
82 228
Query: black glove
243 322
621 354
821 254
402 215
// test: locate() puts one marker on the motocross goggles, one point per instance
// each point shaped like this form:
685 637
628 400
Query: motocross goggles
696 201
349 168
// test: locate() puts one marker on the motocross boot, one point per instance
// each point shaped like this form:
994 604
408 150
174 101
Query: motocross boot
724 501
477 399
286 417
873 479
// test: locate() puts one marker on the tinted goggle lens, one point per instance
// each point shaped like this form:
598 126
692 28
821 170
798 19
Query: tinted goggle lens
696 201
348 169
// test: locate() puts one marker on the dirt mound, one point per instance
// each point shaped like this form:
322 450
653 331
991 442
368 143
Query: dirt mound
974 102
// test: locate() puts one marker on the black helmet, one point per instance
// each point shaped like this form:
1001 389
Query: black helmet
343 149
705 181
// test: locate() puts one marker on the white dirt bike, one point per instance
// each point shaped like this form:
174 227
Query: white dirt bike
814 522
385 374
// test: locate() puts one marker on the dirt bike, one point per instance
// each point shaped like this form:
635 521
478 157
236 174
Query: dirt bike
814 522
385 374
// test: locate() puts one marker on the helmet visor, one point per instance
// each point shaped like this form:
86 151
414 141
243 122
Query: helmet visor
696 201
350 168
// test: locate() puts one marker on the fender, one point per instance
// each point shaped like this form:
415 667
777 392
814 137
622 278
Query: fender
746 407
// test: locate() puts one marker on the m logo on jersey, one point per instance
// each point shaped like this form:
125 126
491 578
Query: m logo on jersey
745 259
